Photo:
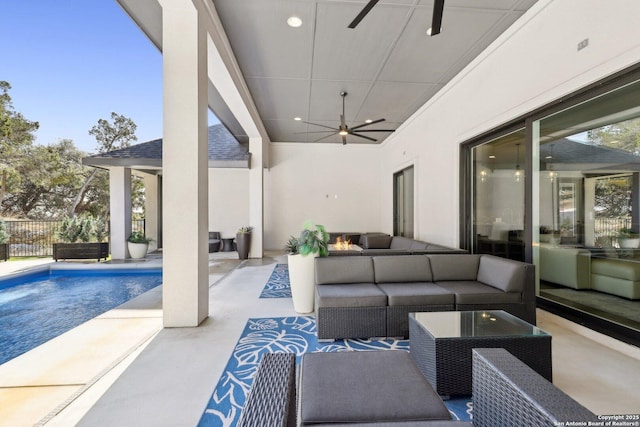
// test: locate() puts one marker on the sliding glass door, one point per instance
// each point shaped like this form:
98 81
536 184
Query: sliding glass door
498 208
561 189
588 253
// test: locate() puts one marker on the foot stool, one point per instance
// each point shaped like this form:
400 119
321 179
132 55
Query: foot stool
365 386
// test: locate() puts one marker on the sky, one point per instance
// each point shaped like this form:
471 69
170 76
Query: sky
72 62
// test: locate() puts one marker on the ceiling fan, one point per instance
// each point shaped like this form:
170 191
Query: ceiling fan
343 130
436 21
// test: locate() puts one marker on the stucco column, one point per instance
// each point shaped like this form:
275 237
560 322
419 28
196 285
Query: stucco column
120 211
184 157
152 210
256 197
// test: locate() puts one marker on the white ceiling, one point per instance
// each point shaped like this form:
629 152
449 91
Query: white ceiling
387 64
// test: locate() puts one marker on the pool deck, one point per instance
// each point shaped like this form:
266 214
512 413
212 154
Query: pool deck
57 382
123 369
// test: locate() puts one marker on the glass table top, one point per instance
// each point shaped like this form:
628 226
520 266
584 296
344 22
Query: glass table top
488 323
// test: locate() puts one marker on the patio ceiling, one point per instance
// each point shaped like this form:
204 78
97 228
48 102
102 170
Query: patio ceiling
388 64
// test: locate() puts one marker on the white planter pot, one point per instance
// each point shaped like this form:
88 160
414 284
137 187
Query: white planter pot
629 243
302 279
138 250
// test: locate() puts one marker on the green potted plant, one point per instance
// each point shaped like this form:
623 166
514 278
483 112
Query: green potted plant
138 244
628 239
4 241
81 237
243 241
302 251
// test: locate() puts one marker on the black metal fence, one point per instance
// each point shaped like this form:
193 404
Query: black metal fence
36 238
607 227
31 238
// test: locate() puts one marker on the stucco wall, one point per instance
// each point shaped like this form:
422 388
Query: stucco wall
228 200
337 186
535 62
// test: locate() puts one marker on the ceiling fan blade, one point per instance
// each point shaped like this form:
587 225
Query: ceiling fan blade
322 126
374 130
365 137
363 13
325 137
436 21
344 140
367 124
320 131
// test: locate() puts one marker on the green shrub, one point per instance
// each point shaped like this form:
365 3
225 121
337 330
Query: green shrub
82 228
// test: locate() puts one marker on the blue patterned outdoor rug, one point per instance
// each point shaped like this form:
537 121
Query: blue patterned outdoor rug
278 285
278 335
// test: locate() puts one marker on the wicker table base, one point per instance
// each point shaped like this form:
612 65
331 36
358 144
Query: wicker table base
446 361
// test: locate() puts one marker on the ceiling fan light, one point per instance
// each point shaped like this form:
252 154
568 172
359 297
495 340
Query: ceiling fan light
294 21
297 119
343 133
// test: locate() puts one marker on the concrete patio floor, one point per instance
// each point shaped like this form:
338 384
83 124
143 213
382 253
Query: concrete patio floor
127 370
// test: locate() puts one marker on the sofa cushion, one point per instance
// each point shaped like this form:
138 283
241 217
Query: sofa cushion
504 274
472 292
365 386
416 293
376 241
399 242
331 270
350 295
616 286
418 245
621 269
454 267
401 268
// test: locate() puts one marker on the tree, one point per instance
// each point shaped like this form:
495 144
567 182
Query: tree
623 135
613 195
45 180
109 136
16 134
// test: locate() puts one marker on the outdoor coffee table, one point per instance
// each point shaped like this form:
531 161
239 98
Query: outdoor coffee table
441 343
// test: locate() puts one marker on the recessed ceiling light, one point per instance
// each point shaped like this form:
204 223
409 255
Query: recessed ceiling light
297 119
492 156
430 30
294 21
549 157
368 121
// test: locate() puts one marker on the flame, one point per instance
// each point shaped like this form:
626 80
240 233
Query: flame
342 245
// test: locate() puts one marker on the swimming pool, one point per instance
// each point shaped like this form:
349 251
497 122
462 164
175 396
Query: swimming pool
39 306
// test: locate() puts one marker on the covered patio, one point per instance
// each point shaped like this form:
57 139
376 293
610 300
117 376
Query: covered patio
267 84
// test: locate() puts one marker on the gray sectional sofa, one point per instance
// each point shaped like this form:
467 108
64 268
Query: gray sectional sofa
384 244
385 388
371 296
398 245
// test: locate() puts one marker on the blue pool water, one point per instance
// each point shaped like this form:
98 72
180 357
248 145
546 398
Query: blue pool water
37 307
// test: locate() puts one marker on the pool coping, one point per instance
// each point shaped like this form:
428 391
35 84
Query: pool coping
14 390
